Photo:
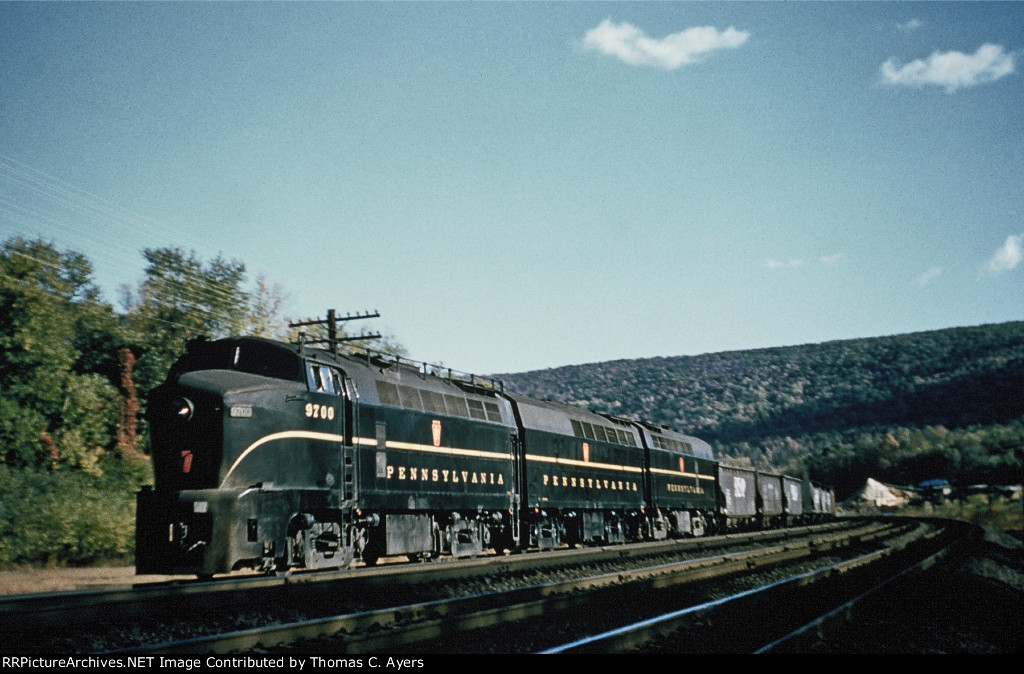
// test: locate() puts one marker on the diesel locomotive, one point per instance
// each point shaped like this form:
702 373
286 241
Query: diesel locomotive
273 456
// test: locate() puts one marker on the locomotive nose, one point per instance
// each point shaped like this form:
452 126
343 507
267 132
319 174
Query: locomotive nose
186 436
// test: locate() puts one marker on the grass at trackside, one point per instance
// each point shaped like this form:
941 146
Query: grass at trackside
996 512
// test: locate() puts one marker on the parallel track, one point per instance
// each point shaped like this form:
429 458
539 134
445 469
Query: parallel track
451 624
43 611
773 616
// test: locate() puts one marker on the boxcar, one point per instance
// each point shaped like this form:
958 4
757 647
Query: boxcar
738 497
770 501
793 499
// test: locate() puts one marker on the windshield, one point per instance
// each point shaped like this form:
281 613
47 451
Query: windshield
267 360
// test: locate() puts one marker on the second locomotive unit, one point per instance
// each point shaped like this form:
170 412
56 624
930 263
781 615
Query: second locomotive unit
272 456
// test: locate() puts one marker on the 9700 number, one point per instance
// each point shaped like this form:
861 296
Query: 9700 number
315 411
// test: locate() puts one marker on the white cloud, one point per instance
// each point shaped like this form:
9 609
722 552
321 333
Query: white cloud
952 69
909 26
1009 256
775 264
630 44
797 263
929 276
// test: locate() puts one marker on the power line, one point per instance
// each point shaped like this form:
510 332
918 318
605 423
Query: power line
58 203
61 201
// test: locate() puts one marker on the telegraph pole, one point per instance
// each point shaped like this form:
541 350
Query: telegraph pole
331 323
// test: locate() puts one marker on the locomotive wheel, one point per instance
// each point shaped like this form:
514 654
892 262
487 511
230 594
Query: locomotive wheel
699 528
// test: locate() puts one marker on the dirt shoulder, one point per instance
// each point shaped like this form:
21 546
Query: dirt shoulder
64 580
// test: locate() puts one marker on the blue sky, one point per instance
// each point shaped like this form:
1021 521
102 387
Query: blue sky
525 185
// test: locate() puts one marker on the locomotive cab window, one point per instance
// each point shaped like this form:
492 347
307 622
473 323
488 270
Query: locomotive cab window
268 361
243 356
323 379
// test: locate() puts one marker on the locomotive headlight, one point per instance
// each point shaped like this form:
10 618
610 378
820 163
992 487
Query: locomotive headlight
183 408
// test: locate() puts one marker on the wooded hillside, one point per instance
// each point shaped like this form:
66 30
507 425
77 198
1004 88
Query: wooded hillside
940 404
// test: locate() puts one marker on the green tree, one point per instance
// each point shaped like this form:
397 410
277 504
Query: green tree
21 435
53 330
37 287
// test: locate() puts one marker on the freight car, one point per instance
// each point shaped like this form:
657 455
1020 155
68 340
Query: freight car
273 456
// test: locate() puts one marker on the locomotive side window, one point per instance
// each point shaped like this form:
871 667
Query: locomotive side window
388 393
456 405
424 400
486 410
432 401
582 429
313 378
410 398
662 442
476 409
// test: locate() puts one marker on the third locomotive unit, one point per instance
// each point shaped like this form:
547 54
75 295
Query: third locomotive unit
274 456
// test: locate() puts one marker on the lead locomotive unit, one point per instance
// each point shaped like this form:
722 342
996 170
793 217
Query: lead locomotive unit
273 456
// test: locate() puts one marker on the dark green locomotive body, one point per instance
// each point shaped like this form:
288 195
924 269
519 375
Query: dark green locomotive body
436 460
681 481
271 455
583 475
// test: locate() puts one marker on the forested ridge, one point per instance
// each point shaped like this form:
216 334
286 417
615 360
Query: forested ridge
939 404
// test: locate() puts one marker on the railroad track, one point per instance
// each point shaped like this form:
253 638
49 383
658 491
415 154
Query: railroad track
775 616
535 590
